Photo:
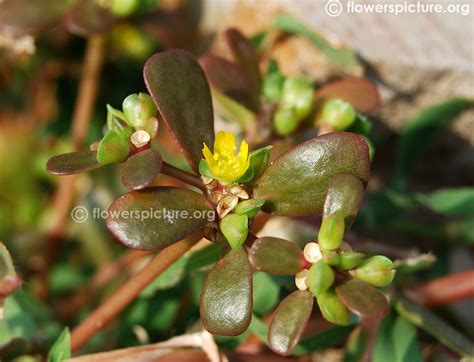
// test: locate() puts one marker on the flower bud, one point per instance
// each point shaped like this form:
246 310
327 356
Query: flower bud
349 260
112 148
331 257
285 121
123 8
235 229
138 108
320 277
338 114
273 86
332 309
249 207
297 94
377 270
331 231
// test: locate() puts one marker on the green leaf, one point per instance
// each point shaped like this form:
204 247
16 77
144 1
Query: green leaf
320 277
265 293
421 131
454 202
61 349
297 182
141 169
204 257
289 321
341 57
9 280
361 93
204 169
331 231
168 279
330 337
235 228
157 216
231 80
112 148
276 256
74 162
363 299
435 326
226 298
245 55
361 126
332 308
249 207
259 160
180 91
232 111
65 277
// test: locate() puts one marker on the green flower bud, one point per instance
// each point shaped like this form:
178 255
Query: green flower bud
332 309
138 108
298 94
259 160
123 8
273 86
112 148
249 207
285 121
235 228
331 257
350 260
338 114
131 41
377 270
320 277
331 231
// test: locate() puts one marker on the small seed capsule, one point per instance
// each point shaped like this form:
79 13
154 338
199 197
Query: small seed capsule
338 114
377 270
138 108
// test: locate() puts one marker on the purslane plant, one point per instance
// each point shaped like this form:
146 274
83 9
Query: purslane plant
323 175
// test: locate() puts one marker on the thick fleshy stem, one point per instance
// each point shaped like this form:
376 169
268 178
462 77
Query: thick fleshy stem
181 175
121 298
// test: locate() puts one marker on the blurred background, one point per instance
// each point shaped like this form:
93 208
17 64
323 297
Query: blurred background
62 62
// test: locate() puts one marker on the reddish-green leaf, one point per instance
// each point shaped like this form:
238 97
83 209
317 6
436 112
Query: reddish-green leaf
297 182
359 92
226 299
245 55
230 79
140 170
289 321
345 194
89 18
19 17
363 299
157 216
179 88
276 256
74 162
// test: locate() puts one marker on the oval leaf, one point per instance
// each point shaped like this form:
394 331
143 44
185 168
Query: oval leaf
363 299
276 256
181 93
297 182
156 217
345 194
289 321
226 299
230 79
73 162
140 170
359 92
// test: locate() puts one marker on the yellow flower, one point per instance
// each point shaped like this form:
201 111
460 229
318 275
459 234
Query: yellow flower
224 163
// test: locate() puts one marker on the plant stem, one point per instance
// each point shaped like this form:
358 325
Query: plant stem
181 175
128 291
446 290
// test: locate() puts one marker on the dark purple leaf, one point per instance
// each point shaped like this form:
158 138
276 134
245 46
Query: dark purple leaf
226 299
181 93
140 170
74 162
345 193
245 55
230 79
276 256
155 217
297 182
363 299
359 92
289 321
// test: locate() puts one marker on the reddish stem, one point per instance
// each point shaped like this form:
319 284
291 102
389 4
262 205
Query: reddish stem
446 290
